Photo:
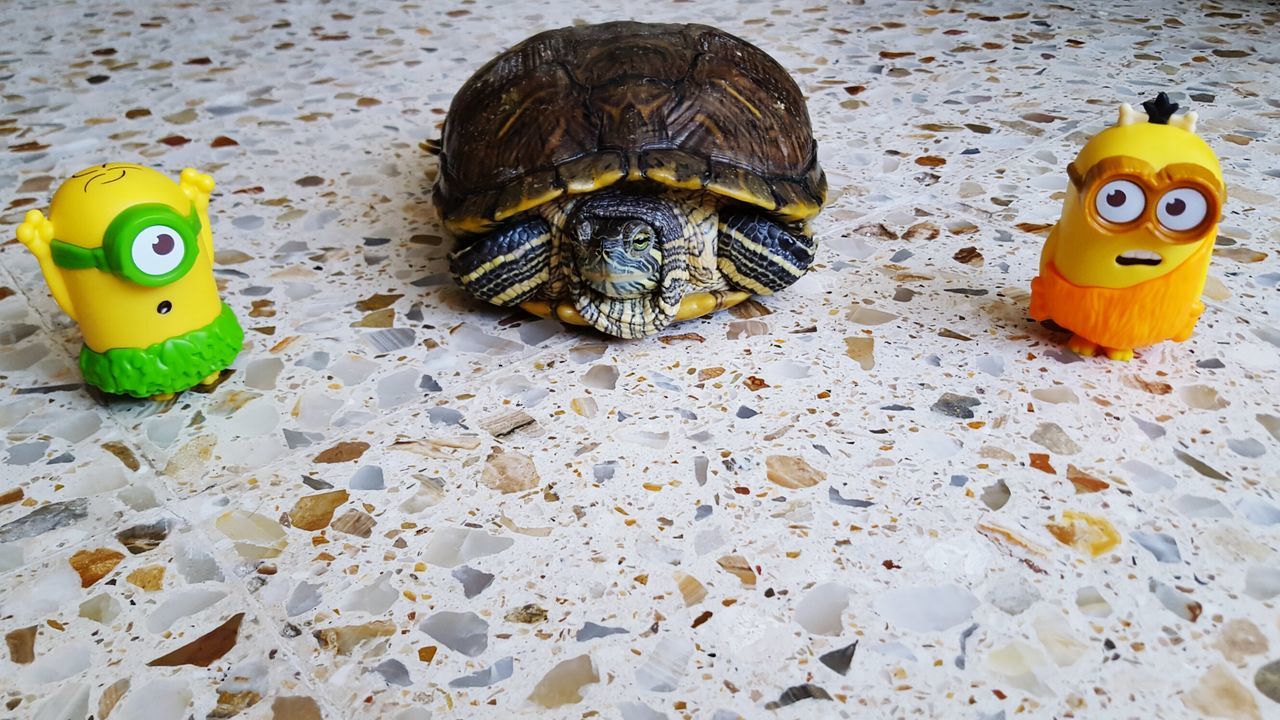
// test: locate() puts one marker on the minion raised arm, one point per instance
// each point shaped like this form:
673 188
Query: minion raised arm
36 233
198 186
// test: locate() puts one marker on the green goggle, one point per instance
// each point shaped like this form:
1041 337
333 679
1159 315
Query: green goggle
148 244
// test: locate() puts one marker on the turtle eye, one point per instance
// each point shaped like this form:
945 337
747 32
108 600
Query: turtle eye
1120 201
639 235
157 249
1182 209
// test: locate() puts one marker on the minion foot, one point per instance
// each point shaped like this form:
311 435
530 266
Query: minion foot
1082 346
211 379
162 397
1119 354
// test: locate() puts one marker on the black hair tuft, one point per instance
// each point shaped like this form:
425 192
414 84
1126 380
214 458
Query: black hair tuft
1160 110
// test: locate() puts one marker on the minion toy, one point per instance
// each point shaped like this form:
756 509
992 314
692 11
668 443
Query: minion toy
128 254
1126 264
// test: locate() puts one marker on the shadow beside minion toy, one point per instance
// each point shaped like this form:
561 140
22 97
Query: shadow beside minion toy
1126 264
128 254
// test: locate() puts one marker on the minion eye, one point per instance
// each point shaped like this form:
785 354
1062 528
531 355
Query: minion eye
157 250
1182 209
1120 201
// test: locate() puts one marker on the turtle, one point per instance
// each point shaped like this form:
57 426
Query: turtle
626 175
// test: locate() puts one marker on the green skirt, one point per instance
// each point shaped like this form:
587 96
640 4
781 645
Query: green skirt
169 366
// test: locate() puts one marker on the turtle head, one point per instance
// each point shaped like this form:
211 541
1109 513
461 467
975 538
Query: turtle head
618 243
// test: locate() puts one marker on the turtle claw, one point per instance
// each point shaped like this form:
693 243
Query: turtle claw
698 304
693 305
565 312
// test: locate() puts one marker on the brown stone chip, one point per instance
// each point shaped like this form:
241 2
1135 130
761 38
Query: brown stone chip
93 565
343 452
22 645
204 650
123 453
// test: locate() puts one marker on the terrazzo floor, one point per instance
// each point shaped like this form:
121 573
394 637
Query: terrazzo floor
848 500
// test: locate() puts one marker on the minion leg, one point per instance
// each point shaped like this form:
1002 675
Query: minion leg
1082 346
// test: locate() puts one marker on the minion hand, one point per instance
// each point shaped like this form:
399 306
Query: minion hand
36 232
198 186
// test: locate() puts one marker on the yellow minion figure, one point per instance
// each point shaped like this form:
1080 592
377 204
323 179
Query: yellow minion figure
128 254
1127 262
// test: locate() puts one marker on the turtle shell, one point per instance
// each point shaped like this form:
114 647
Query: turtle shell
579 109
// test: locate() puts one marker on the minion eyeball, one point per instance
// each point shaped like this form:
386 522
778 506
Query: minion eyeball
128 254
1125 265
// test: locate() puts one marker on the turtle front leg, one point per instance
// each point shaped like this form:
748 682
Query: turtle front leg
761 255
507 266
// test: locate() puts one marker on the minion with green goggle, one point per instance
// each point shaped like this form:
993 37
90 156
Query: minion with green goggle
128 254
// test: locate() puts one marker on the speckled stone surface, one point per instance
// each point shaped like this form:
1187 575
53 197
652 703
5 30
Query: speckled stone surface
869 496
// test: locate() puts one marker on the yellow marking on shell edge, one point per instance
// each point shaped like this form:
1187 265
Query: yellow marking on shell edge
667 177
598 182
526 203
797 212
729 89
468 225
742 193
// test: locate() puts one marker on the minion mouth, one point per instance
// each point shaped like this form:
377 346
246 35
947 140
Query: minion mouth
1139 257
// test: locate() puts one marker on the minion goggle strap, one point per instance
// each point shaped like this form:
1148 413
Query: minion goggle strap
148 244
